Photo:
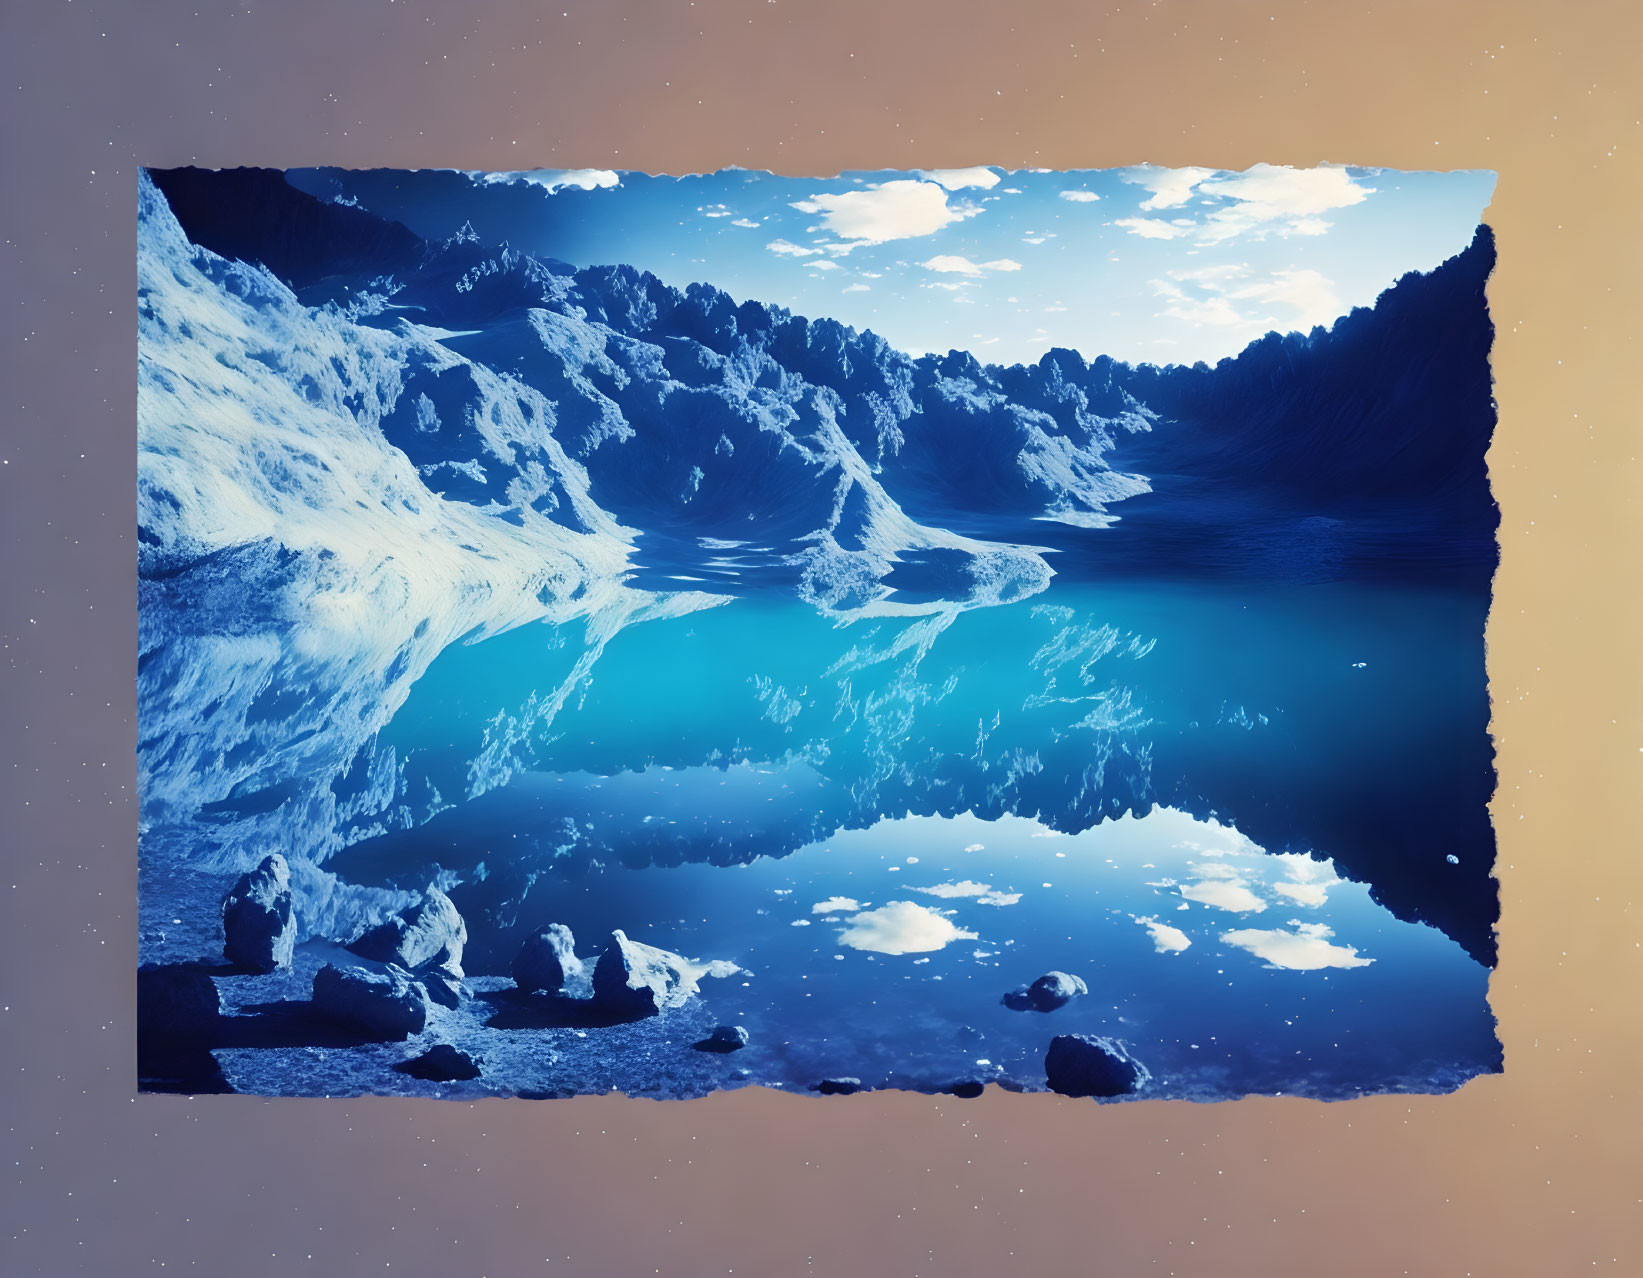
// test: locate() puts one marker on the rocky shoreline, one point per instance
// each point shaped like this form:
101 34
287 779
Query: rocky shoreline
392 1011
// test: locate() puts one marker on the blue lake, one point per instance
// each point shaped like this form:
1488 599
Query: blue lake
889 822
893 682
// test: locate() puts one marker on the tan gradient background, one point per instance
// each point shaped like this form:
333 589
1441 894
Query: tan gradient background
1537 1172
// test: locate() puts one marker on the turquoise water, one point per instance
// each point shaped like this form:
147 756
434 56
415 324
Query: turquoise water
1344 719
1314 761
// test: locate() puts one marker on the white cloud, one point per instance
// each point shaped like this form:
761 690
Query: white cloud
586 179
1224 894
1213 277
1080 197
998 898
1165 939
823 266
788 249
1213 309
1307 882
714 210
1264 200
960 179
746 222
901 927
904 209
967 887
1270 196
950 264
1304 949
1152 228
552 180
836 905
1311 294
857 288
1208 295
1170 188
1309 894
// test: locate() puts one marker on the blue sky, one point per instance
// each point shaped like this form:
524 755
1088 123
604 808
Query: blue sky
1144 264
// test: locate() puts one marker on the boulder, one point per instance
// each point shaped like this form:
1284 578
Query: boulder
441 1063
1048 992
177 1005
547 960
724 1038
842 1086
1086 1065
179 1019
428 934
259 929
632 979
443 984
386 1005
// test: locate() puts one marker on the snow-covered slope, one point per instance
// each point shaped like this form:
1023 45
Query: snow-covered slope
297 572
329 496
